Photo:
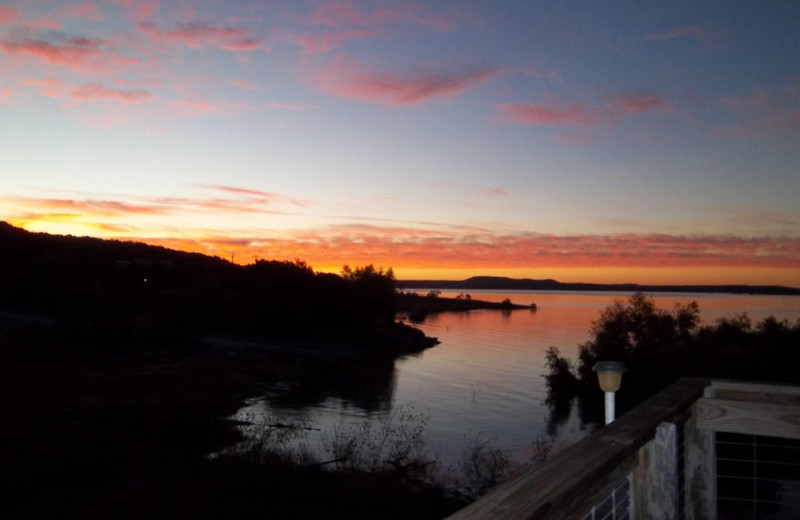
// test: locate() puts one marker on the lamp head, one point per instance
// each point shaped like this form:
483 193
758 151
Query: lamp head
609 374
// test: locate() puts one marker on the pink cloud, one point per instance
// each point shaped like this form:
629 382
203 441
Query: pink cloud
315 44
89 207
48 87
469 188
341 13
417 15
290 106
344 22
337 13
550 74
257 195
65 50
140 9
232 201
8 15
549 113
495 192
199 35
82 55
246 85
350 80
198 108
556 112
99 92
85 11
7 94
638 101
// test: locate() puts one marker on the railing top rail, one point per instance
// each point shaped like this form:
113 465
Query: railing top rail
553 489
754 387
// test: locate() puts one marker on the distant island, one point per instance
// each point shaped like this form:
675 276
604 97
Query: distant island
499 283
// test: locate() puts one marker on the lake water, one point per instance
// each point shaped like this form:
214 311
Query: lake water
484 380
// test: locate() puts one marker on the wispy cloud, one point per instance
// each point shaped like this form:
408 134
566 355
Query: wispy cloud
85 206
139 9
636 101
200 108
770 126
7 94
349 79
80 54
340 13
100 92
259 196
289 106
221 200
59 49
8 15
761 114
552 111
549 113
711 37
329 40
85 11
334 23
197 35
489 191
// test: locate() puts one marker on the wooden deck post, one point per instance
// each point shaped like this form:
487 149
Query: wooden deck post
656 476
700 468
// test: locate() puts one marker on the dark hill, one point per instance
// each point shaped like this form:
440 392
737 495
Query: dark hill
506 284
117 292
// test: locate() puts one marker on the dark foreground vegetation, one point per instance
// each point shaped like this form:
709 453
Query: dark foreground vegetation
134 292
121 361
659 346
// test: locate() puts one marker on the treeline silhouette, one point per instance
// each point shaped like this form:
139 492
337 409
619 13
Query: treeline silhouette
129 292
659 346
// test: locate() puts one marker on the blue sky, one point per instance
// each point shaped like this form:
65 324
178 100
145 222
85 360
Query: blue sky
651 142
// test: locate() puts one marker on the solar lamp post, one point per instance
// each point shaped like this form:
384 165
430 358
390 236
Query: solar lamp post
609 375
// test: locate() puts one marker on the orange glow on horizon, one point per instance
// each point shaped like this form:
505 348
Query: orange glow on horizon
655 275
587 258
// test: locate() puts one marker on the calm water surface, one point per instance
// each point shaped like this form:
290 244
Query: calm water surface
484 380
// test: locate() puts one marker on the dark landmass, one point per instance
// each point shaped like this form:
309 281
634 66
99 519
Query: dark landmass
121 362
416 306
526 284
132 293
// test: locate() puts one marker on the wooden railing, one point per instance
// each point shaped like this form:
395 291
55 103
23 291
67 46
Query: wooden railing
656 461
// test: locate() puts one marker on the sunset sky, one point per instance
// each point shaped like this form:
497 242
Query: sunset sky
650 142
